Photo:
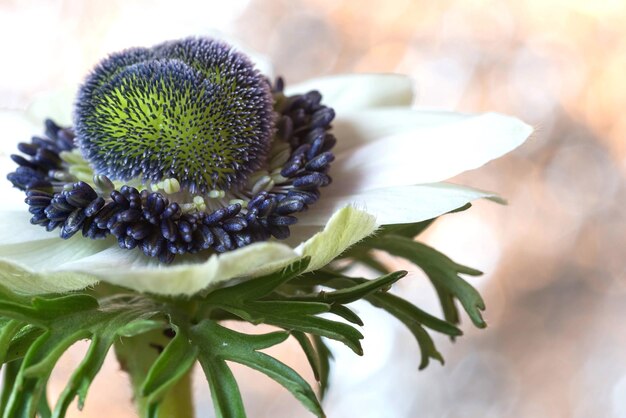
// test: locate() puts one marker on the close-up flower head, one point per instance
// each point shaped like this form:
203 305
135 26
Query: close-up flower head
312 208
183 188
186 166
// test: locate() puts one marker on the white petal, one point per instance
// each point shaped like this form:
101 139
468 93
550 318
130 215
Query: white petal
28 255
35 261
186 277
12 198
54 104
132 269
357 128
428 152
15 227
25 280
345 228
399 204
359 91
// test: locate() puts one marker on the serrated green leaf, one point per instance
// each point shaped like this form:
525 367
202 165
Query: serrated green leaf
44 407
257 288
173 363
399 307
347 314
64 305
324 355
243 301
288 307
441 270
448 306
139 327
39 311
357 291
426 345
35 370
224 389
83 376
11 370
395 305
8 329
22 342
56 323
307 323
410 315
217 344
413 318
310 353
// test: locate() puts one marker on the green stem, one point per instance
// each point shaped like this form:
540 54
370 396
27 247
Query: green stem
136 355
178 402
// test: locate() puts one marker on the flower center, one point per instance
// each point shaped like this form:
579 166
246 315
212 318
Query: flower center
192 110
175 151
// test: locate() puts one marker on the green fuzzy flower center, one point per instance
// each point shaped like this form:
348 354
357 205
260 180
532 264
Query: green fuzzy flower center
204 118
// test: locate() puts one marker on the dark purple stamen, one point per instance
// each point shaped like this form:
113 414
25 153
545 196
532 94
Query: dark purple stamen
149 221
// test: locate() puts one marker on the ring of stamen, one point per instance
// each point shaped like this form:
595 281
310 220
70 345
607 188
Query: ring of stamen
164 224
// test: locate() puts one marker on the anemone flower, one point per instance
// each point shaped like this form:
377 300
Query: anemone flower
159 217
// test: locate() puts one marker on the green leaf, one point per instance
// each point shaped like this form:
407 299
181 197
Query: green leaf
140 326
39 310
309 352
253 301
54 324
22 341
224 389
35 371
406 312
173 363
347 314
44 406
8 330
410 315
357 291
218 344
11 369
82 377
10 375
324 355
261 286
443 272
272 313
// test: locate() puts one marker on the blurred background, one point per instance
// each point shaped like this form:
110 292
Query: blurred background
555 282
